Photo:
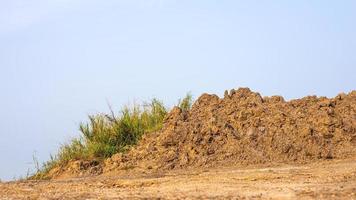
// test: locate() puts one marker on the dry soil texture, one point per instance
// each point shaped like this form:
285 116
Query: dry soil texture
245 128
241 146
335 179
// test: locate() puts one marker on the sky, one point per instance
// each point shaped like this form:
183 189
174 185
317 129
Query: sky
61 60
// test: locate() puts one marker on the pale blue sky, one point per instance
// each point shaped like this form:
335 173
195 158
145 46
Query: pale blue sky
63 59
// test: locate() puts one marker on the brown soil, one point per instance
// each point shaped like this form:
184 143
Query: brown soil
328 179
244 128
239 146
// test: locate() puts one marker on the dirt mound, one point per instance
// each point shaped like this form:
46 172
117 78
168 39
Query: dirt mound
245 128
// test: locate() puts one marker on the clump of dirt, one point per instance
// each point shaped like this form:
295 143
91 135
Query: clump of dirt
245 128
75 168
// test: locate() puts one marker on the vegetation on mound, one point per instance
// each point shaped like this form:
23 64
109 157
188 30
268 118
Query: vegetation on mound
106 134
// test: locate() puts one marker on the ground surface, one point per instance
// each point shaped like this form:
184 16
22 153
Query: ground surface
334 179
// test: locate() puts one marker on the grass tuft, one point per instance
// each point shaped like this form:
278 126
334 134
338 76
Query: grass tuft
106 134
186 103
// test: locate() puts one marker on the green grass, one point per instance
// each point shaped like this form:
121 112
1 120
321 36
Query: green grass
106 134
186 103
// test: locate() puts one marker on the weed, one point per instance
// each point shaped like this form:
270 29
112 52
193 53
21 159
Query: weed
186 103
104 135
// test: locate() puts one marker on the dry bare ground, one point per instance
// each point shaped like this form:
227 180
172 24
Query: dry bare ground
223 148
333 179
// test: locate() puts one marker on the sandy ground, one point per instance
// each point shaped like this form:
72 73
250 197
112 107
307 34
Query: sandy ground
334 179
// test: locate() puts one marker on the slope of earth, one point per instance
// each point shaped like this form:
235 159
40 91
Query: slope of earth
328 179
245 128
239 146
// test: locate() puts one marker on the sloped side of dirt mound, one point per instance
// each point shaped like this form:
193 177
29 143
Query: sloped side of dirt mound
75 168
245 128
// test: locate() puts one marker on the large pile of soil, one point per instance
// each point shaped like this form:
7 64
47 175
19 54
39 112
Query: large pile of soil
245 128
